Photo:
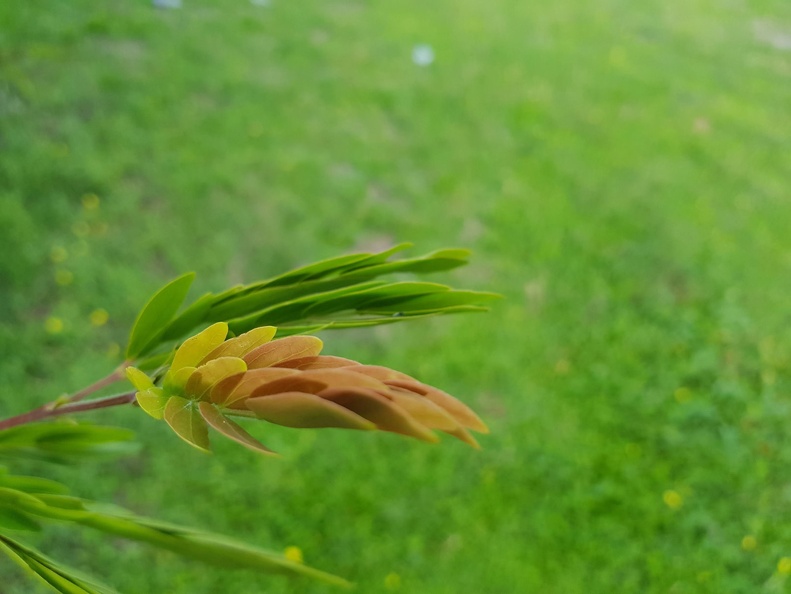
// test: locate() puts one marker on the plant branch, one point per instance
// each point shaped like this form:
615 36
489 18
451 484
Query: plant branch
115 376
53 410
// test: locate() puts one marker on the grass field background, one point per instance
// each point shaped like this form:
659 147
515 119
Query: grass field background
621 171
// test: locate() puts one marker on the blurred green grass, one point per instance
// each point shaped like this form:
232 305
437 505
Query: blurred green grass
621 171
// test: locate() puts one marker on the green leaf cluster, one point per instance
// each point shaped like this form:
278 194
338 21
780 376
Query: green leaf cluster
27 502
341 292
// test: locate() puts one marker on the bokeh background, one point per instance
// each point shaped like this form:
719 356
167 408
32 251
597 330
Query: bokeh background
621 171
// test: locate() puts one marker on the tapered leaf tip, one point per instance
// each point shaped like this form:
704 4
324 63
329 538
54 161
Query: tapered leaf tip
138 379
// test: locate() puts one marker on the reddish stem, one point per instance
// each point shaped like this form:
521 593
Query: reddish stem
53 410
115 376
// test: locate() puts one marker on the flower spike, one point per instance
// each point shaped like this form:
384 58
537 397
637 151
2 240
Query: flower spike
287 382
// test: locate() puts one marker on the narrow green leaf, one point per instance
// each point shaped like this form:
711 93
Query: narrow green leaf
154 362
13 519
202 546
317 270
31 484
231 429
61 578
438 261
155 315
431 302
192 317
359 300
184 418
286 310
63 442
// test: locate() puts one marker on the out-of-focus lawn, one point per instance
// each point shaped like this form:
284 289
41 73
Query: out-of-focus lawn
622 172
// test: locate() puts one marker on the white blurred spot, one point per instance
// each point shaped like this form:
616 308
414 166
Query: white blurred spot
167 3
771 34
422 54
261 2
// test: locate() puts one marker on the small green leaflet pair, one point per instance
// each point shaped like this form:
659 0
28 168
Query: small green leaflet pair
341 292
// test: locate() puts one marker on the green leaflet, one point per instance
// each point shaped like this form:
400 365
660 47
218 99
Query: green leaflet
184 418
336 265
13 519
155 315
30 484
59 577
202 546
231 429
153 402
63 442
316 290
195 544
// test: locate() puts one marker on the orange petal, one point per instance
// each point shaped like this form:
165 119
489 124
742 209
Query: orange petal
297 409
283 349
376 408
240 386
293 383
431 415
317 362
230 429
460 411
379 372
423 410
205 377
342 378
464 435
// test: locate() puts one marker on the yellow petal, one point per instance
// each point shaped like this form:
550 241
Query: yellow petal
194 349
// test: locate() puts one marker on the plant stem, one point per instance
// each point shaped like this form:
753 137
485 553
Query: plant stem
115 376
52 409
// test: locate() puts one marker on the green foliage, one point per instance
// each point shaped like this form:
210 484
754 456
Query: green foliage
153 318
618 168
335 293
27 501
63 442
211 379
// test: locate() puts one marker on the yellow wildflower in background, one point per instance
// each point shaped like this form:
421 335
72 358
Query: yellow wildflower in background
99 317
749 543
393 581
53 325
294 554
672 499
90 201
